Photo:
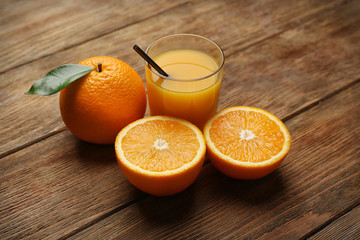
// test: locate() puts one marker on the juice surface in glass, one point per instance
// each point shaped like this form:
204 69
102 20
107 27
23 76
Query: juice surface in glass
186 98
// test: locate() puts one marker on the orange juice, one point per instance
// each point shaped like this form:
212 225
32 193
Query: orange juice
192 89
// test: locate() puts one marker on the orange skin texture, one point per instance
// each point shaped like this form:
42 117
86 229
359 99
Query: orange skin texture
242 172
97 106
162 185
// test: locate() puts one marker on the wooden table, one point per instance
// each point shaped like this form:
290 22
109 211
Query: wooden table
297 59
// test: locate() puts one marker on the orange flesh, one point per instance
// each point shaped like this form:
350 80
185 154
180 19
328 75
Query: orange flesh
246 136
160 145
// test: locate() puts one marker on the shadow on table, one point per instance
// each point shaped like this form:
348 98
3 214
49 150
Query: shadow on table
213 196
211 191
95 154
267 189
169 209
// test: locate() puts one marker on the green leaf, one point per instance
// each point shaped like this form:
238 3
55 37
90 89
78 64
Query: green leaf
59 78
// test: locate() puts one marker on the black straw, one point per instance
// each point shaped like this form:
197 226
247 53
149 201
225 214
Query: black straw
149 60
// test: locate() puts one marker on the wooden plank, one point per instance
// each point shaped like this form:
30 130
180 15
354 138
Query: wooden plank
318 180
56 186
31 30
345 227
24 123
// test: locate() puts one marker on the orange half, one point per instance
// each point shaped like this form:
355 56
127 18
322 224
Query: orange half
160 155
246 142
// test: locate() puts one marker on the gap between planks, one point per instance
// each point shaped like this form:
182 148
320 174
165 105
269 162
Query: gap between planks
291 26
34 141
327 223
100 218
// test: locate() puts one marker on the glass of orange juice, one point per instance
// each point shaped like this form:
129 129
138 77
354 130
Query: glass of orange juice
195 68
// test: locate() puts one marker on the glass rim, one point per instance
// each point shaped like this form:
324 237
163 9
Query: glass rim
186 80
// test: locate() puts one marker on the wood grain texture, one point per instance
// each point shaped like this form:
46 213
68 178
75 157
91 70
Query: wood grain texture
297 59
346 227
31 30
58 185
318 180
300 64
20 119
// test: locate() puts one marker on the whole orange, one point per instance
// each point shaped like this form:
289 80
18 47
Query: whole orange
97 106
